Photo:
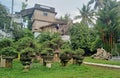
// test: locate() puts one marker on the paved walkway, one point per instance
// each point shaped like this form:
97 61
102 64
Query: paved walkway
102 65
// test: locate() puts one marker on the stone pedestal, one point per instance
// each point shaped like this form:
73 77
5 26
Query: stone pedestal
48 64
47 61
2 62
26 68
56 57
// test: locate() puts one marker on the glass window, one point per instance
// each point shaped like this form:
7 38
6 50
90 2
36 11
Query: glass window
45 13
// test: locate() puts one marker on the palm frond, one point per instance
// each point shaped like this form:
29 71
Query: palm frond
77 17
91 2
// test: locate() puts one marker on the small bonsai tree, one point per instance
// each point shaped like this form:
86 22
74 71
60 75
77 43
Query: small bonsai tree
47 55
26 58
5 43
25 46
23 43
78 56
8 53
65 56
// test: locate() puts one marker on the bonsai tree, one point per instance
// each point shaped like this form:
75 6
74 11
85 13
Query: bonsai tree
50 43
47 56
58 42
6 50
78 56
24 43
26 46
65 56
5 43
26 58
8 53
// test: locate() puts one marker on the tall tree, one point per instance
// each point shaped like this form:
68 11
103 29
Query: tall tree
66 18
4 19
108 23
82 36
24 5
86 15
79 36
98 3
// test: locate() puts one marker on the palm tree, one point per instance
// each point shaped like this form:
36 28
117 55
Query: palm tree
86 15
108 23
98 3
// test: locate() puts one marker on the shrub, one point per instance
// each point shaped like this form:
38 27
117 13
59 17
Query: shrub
8 51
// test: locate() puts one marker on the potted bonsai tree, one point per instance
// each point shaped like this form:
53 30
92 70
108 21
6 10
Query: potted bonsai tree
26 48
26 58
78 56
65 56
24 43
47 56
8 53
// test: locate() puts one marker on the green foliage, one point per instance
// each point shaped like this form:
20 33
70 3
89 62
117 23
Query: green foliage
25 43
18 34
86 15
116 50
108 24
4 19
80 51
97 3
27 53
49 41
67 51
97 43
47 36
47 51
66 18
24 5
27 50
66 45
80 36
26 56
8 51
5 43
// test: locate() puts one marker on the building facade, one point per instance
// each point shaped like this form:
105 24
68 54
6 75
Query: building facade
43 19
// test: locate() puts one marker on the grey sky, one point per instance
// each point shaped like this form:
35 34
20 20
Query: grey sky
62 6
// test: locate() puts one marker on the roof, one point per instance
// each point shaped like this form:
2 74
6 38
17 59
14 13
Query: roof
54 23
44 8
30 11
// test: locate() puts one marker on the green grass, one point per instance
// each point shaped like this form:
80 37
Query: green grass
89 59
71 71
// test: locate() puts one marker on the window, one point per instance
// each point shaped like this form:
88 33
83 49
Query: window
45 13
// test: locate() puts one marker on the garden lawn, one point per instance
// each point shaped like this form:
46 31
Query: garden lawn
71 71
111 62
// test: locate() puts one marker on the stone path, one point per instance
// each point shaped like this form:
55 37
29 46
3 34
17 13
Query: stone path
102 65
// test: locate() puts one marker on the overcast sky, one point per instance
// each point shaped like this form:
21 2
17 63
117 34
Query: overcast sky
61 6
